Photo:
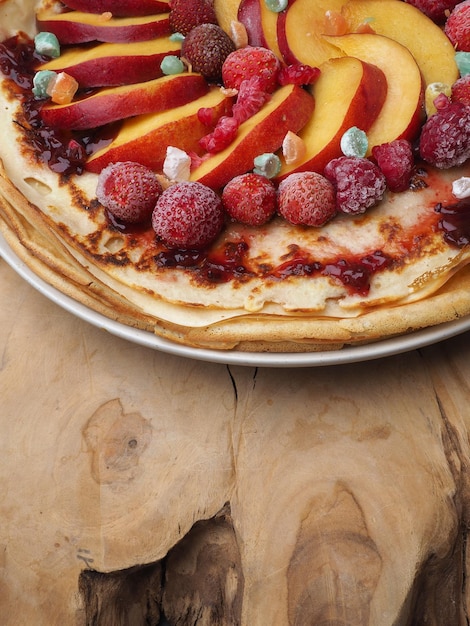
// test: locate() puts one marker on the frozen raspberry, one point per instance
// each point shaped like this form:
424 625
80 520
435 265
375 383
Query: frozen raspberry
445 137
188 215
222 136
128 190
359 183
461 90
457 27
251 61
396 161
306 198
206 47
187 14
251 97
435 9
298 74
250 199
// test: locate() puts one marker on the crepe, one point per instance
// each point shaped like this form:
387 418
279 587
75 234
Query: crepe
277 288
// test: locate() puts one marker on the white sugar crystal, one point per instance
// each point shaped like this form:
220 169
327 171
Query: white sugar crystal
461 188
177 164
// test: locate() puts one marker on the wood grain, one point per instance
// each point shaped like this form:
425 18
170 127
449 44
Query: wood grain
226 495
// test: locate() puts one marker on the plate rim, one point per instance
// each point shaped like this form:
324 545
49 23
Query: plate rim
351 354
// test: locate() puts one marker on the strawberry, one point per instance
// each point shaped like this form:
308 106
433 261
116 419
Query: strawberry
461 90
457 27
206 47
437 10
128 190
187 14
250 199
359 183
188 215
306 198
250 61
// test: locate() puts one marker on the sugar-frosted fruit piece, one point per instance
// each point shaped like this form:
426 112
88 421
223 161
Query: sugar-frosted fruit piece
61 88
354 142
47 44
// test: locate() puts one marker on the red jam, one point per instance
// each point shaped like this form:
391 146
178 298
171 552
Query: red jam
455 222
64 152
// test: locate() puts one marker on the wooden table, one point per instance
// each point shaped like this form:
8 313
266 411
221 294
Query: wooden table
132 480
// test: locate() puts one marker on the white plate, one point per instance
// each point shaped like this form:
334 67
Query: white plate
388 347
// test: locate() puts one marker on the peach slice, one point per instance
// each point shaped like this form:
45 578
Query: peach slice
226 12
120 8
349 92
260 23
404 23
77 27
289 108
117 103
249 13
145 138
402 112
112 64
300 28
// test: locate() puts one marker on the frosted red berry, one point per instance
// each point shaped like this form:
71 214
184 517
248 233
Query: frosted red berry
306 198
359 184
128 190
206 47
251 97
461 90
250 199
187 14
435 9
445 137
188 215
298 74
396 161
222 136
251 61
457 26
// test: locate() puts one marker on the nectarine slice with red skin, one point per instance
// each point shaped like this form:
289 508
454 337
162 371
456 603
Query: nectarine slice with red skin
402 113
226 12
145 139
406 24
120 8
260 23
112 64
117 103
249 14
300 28
77 27
289 108
348 93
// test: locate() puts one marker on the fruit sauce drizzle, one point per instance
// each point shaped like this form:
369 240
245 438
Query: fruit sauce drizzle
65 153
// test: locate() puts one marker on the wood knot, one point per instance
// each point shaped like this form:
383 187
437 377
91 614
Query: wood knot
116 441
